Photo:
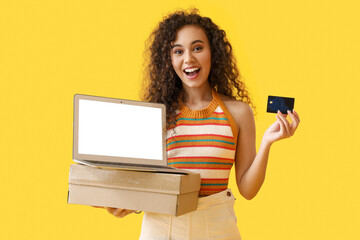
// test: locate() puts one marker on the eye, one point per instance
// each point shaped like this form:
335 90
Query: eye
178 51
198 48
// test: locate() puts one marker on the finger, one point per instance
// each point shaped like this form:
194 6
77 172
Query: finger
284 115
126 212
286 123
282 127
110 210
281 114
295 122
275 127
122 212
117 212
297 115
294 117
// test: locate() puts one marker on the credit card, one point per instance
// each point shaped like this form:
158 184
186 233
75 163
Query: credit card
283 104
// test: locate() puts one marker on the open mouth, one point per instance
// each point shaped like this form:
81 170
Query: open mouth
191 72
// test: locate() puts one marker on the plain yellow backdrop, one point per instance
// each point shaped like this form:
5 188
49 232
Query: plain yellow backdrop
50 50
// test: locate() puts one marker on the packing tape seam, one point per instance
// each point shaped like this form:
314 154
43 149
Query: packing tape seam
125 188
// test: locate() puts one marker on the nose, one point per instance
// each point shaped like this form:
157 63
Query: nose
189 57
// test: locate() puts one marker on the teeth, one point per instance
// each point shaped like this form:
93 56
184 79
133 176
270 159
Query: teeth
191 69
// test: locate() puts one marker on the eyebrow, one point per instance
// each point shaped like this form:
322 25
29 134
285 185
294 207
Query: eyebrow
179 45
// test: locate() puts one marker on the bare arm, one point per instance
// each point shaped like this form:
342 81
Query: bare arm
250 167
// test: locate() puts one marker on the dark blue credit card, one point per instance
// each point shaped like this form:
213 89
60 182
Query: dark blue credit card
283 104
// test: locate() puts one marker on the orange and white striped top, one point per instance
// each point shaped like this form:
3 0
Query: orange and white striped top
204 141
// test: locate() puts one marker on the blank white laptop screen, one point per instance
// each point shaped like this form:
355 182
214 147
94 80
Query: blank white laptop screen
112 129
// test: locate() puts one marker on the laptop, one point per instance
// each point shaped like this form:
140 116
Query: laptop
120 134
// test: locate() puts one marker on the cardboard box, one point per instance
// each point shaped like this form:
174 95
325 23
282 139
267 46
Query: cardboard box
166 193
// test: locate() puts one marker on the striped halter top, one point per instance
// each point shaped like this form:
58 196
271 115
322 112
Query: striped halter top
204 141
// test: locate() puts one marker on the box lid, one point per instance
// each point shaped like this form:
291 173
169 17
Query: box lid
172 183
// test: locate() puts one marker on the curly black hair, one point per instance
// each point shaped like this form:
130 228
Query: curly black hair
162 84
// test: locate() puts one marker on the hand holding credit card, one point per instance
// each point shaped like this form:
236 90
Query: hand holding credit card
283 104
281 128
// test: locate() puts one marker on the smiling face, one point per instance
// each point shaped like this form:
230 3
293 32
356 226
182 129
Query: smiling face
191 56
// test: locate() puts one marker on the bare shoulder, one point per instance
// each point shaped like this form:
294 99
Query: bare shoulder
240 111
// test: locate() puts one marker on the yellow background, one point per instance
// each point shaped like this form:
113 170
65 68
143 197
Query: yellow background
50 50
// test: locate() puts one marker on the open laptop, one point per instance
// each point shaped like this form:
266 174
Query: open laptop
120 134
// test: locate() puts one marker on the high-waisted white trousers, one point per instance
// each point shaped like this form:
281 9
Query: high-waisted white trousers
214 219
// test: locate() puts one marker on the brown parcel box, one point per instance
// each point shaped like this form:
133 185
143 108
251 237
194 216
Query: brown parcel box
166 193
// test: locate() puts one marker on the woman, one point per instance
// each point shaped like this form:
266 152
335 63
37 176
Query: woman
210 125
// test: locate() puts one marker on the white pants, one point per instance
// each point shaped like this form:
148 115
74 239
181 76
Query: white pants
214 219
